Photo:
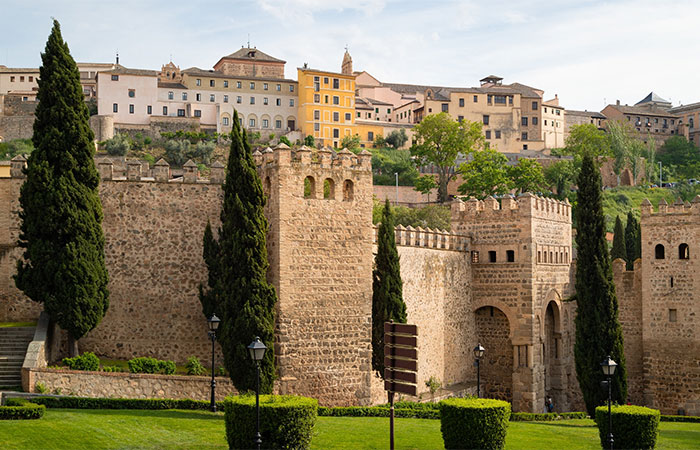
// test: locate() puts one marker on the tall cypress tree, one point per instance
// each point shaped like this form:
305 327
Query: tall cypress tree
633 240
238 263
61 232
618 248
598 329
387 288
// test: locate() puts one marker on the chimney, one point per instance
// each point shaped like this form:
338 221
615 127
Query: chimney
617 102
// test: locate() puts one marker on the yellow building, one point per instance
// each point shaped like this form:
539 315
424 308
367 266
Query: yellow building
326 105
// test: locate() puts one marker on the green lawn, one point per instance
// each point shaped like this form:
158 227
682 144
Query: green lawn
17 324
87 429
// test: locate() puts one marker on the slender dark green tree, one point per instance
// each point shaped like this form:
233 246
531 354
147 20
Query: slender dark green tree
618 248
387 287
63 264
598 329
633 240
238 290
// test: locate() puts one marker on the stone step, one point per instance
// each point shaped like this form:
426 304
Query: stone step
4 365
12 357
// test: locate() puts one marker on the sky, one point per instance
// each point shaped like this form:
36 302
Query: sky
590 53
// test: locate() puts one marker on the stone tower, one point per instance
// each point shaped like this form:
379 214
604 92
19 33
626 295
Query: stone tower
521 261
320 250
346 68
670 306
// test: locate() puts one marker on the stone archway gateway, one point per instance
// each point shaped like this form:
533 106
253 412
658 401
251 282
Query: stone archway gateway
554 373
494 333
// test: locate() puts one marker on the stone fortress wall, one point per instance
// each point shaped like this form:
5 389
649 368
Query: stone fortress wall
502 277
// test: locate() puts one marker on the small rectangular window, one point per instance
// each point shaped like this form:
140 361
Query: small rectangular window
198 113
132 93
348 117
226 85
238 84
370 135
291 102
149 109
460 118
224 121
445 107
170 95
336 100
317 114
672 315
461 103
181 113
198 82
279 88
476 98
498 134
212 97
278 102
325 99
115 107
485 119
317 98
225 98
165 110
212 83
488 134
252 85
251 123
239 99
534 120
264 89
534 106
278 124
198 97
265 100
184 96
325 80
475 257
252 100
131 109
317 127
510 255
336 83
291 88
492 256
265 123
523 121
114 78
524 137
336 133
336 117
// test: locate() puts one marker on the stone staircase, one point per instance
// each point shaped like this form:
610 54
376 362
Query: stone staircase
13 346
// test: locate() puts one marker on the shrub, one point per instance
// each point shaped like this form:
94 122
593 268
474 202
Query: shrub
112 369
379 411
194 367
122 403
86 361
119 145
474 423
285 140
286 422
633 426
151 365
203 151
433 384
21 409
695 419
545 417
40 387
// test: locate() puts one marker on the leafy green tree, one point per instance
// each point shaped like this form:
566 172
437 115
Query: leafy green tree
586 139
285 140
684 155
598 329
439 141
633 240
397 138
379 141
10 149
61 217
119 145
309 141
527 176
352 143
425 184
619 250
560 175
238 261
486 174
387 161
387 288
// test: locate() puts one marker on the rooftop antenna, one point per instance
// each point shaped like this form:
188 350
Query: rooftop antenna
248 40
117 56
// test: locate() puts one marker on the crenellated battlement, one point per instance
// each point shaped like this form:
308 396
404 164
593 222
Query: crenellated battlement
427 238
526 205
323 158
677 208
140 171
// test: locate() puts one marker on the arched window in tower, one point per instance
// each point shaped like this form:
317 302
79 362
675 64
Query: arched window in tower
328 189
309 187
348 191
683 251
659 252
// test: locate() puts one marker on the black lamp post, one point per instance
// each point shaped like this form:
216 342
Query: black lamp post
213 326
609 366
257 353
478 354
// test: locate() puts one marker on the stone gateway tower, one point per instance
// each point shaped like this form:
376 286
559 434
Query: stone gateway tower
320 247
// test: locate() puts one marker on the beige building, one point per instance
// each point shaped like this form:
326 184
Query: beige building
553 123
573 117
648 119
689 117
23 81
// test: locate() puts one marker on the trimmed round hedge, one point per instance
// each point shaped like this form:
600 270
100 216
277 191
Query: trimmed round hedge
474 423
633 426
21 409
286 421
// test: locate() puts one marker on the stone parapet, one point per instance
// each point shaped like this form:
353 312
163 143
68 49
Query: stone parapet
510 208
426 237
128 385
